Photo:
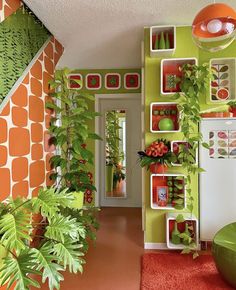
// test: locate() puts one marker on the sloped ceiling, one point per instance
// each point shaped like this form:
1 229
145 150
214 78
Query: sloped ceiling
108 33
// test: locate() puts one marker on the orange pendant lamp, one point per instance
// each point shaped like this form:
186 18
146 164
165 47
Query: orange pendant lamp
214 27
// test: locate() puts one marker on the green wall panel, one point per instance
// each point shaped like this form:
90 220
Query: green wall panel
21 37
155 219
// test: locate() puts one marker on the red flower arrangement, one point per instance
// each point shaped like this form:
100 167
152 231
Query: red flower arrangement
158 152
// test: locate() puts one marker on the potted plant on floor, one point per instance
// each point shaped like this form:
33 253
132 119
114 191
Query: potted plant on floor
157 156
47 253
70 131
232 107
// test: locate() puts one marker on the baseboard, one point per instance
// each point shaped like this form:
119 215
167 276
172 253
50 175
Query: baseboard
155 246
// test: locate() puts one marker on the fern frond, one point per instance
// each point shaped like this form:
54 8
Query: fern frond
69 253
15 229
45 258
17 270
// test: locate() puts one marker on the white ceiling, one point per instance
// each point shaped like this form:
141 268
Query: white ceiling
107 33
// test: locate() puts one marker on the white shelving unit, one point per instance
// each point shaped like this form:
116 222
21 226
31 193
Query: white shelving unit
154 30
163 106
172 149
170 218
170 68
154 204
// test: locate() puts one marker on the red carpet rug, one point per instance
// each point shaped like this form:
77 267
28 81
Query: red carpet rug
173 271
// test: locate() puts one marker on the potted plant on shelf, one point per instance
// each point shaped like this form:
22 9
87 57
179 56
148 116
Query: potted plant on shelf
45 248
157 156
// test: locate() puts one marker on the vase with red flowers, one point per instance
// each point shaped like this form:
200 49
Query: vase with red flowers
157 156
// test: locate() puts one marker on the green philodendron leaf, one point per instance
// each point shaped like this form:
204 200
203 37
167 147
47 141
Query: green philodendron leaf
15 229
16 270
69 253
47 262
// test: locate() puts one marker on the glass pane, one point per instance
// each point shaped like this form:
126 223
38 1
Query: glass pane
115 154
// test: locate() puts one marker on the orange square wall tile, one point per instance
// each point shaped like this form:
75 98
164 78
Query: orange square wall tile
36 70
26 79
49 182
59 47
36 151
6 112
20 97
47 121
36 132
37 173
19 168
19 142
35 192
3 155
19 117
20 189
3 130
48 164
36 109
46 78
49 66
49 50
5 182
13 4
36 87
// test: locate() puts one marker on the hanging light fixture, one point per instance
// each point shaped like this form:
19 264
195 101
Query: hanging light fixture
214 27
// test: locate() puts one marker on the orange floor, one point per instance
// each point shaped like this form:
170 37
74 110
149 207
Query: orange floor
114 264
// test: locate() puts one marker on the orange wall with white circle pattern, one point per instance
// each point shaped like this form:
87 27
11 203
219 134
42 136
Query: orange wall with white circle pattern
24 123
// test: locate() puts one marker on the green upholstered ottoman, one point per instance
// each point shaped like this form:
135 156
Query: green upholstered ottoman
224 252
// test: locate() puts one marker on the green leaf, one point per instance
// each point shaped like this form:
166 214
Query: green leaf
17 270
15 228
47 263
205 145
94 136
60 226
69 253
180 218
186 250
195 255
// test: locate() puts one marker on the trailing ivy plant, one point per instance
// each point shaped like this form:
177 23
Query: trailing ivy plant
47 246
70 133
194 83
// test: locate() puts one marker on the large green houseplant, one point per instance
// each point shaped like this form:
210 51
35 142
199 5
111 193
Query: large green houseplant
45 247
194 84
114 156
70 132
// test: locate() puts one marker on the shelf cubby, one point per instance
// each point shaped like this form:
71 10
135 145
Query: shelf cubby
168 31
170 222
222 88
175 148
170 71
159 111
167 190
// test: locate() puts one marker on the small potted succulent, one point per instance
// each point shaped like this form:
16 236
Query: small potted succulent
232 107
157 156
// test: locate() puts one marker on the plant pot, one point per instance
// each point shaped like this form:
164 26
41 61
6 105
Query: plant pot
158 168
79 200
109 178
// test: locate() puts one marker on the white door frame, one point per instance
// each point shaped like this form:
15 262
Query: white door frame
97 130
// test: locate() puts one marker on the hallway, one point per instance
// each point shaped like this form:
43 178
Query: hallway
114 263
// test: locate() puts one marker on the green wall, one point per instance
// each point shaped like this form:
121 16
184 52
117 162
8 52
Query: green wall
155 219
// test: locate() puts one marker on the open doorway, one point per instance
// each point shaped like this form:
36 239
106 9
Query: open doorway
118 175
